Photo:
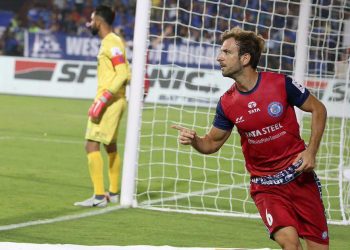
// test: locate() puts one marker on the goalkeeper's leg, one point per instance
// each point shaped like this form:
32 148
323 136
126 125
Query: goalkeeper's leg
113 172
95 164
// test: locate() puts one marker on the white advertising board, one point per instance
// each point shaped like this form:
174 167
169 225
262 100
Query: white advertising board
334 93
168 85
43 77
186 86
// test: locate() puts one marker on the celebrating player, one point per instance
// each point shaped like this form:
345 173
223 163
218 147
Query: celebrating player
284 186
113 75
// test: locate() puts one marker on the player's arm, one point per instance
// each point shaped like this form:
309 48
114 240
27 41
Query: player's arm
299 96
208 144
121 72
318 123
121 76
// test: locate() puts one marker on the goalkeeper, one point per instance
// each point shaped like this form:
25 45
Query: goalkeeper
284 186
113 74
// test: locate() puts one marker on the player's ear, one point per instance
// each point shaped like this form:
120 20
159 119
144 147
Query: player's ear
245 59
98 21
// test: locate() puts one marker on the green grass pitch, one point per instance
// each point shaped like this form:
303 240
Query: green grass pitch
43 172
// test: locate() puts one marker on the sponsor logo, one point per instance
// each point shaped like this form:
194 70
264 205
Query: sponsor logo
275 109
96 204
78 73
239 120
264 131
266 139
78 47
253 109
316 84
251 105
269 218
317 87
46 46
174 79
115 51
298 85
34 70
324 235
67 73
329 90
58 45
339 93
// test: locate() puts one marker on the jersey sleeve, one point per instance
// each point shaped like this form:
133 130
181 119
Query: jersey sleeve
296 93
118 59
116 56
220 120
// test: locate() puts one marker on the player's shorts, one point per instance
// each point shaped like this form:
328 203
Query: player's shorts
106 131
297 203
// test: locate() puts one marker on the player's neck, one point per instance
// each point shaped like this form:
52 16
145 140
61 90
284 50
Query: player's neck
247 80
104 32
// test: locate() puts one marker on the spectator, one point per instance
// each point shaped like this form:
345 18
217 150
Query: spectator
11 45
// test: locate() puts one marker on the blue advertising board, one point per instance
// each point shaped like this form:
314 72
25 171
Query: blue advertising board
61 46
181 53
185 54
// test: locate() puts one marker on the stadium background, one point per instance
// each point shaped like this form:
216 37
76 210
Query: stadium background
70 16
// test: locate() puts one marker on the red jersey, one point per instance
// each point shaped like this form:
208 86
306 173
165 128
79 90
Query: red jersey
266 121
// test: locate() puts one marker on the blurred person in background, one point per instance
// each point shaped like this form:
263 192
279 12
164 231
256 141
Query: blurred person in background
113 74
12 39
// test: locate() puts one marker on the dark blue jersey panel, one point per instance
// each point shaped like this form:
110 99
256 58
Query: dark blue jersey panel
296 93
220 120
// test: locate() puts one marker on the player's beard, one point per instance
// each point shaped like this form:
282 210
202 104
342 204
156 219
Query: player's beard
94 31
233 71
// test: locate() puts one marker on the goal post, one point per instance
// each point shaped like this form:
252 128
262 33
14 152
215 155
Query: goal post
135 104
186 84
301 48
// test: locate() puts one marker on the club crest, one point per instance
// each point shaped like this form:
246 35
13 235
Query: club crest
275 109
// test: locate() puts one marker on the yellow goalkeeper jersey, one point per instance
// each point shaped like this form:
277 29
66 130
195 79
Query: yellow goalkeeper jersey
113 71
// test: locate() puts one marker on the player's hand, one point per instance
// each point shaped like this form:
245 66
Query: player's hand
309 161
97 108
186 136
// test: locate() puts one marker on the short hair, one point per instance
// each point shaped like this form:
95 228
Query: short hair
106 13
248 42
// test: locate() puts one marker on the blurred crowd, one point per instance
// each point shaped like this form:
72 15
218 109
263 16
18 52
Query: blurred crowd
67 16
183 21
204 23
275 21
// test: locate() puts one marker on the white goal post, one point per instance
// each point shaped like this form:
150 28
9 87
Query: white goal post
175 47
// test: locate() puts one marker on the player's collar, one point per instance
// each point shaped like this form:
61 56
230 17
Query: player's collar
253 89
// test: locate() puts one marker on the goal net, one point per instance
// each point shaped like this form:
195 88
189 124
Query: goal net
186 84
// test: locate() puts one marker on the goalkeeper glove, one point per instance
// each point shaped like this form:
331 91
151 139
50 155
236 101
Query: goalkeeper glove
98 106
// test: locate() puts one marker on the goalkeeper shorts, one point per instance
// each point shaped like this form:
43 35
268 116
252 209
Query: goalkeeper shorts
106 131
297 203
